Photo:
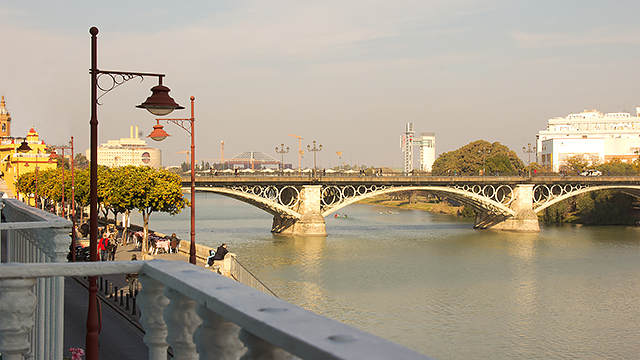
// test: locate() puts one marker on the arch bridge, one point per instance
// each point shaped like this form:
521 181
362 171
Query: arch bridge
299 203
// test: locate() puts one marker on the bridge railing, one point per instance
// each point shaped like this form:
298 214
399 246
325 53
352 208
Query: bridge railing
198 313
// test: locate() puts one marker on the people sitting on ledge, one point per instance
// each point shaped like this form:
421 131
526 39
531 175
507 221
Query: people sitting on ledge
218 254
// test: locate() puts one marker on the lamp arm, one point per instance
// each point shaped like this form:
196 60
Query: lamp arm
118 78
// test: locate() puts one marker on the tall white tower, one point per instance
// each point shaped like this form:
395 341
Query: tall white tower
407 148
427 143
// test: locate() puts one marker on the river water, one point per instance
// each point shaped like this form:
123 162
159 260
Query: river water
434 284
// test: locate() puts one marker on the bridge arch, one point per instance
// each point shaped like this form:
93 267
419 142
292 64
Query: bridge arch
551 199
260 202
477 201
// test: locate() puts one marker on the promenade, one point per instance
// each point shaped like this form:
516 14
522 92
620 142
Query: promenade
120 335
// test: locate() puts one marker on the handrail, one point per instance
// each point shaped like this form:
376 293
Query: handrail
203 313
239 272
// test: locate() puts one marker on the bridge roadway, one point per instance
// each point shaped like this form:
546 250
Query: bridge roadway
300 203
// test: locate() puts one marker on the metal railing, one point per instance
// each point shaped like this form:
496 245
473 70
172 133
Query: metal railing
242 275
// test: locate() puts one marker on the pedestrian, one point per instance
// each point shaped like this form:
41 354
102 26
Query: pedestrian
175 243
102 247
132 279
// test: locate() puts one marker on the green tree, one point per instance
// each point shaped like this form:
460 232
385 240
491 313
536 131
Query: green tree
469 159
80 162
615 166
155 191
605 207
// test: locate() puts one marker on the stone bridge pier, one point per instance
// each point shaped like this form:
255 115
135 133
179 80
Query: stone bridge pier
525 218
311 222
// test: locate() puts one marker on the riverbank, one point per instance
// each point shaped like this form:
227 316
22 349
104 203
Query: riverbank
442 207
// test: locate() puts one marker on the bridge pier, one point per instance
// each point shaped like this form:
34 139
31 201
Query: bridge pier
311 222
524 220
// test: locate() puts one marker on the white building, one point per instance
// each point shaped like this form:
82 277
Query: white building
590 133
128 151
407 148
427 144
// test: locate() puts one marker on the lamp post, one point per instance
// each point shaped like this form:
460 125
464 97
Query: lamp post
484 155
160 104
315 150
158 134
529 151
282 151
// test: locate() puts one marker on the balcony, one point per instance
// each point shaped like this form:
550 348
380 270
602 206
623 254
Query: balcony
196 312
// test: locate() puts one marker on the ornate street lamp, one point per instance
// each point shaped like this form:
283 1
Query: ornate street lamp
159 103
282 151
529 151
484 155
315 150
158 134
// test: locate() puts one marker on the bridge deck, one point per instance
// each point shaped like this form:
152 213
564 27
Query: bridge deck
407 180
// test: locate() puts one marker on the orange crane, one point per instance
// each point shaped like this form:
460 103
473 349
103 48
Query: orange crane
184 152
300 151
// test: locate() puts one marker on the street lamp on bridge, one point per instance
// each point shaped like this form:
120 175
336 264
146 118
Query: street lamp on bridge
315 150
158 134
282 151
160 104
529 151
484 156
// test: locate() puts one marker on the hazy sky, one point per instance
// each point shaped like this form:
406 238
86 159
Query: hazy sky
348 74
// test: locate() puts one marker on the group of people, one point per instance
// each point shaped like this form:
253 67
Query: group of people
107 244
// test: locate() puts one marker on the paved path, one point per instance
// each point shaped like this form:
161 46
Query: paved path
121 336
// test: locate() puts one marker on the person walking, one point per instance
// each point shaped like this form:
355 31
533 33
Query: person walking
102 247
132 279
174 243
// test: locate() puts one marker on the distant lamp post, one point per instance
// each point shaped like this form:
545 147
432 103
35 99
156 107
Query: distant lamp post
484 157
282 151
529 150
314 149
159 103
158 134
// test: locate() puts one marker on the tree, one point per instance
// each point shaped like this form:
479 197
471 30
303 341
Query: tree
469 159
616 166
578 163
155 190
80 162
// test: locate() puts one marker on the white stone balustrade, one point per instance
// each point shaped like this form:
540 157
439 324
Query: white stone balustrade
202 315
35 236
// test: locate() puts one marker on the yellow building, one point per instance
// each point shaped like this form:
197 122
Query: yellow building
14 162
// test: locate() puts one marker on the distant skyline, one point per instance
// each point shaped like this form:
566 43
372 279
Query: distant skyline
348 74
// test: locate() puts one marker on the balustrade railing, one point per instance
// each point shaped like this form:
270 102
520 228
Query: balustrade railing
35 236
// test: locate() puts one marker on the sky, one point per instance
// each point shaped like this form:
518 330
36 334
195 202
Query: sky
349 74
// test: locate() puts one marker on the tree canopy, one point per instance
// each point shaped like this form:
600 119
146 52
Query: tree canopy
469 159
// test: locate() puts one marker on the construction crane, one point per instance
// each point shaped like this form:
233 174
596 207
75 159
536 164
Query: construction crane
300 151
185 152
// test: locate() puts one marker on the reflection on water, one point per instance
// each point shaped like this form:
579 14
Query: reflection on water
434 284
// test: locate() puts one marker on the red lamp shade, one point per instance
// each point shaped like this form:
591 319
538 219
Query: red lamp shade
158 133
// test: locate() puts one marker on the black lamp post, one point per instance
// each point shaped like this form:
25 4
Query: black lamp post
282 151
159 103
158 134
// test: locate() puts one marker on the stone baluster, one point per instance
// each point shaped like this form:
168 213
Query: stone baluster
17 307
152 303
182 322
259 349
217 337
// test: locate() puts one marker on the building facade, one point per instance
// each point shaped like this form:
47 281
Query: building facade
592 134
5 120
427 144
128 151
406 144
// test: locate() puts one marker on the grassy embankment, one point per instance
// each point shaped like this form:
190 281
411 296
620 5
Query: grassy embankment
414 204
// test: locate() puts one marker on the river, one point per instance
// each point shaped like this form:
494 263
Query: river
434 284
